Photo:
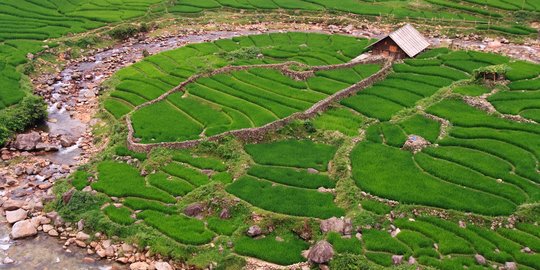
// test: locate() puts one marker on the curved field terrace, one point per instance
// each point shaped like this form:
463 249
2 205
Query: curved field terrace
297 147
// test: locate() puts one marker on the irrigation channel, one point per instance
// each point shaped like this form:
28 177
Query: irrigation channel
72 97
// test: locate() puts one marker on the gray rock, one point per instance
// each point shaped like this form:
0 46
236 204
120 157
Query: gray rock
321 252
510 266
47 147
312 171
397 259
254 231
412 260
225 214
163 266
27 142
194 209
22 229
11 205
480 259
82 236
139 266
334 224
16 215
66 197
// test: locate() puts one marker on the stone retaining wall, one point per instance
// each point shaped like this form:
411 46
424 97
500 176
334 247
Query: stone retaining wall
257 133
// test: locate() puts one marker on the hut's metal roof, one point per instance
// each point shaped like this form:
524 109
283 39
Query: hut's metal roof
408 39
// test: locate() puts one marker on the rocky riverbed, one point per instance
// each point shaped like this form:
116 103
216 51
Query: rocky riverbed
40 157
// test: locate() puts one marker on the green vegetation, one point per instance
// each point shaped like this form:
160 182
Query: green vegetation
240 99
286 251
283 199
301 154
197 204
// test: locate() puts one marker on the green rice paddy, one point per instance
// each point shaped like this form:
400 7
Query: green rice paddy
478 169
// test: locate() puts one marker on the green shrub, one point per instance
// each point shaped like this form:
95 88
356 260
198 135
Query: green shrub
124 31
30 111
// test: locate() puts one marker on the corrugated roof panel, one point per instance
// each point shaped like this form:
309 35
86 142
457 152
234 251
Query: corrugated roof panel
409 40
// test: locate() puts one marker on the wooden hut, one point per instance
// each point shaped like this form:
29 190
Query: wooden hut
402 43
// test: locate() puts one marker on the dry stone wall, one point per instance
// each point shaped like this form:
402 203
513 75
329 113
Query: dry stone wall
257 133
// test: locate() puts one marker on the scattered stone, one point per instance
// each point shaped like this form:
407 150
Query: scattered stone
139 266
225 214
480 259
526 250
8 260
80 243
47 147
66 197
312 171
510 266
254 231
82 236
22 229
89 260
334 224
321 252
415 143
47 228
163 266
11 205
16 215
53 233
412 260
194 209
397 259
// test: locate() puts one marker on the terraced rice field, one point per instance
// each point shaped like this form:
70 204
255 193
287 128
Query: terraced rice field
153 197
282 182
441 206
235 100
28 26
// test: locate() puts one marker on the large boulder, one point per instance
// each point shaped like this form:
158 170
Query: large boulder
27 142
254 231
339 225
16 215
397 259
22 229
194 209
321 252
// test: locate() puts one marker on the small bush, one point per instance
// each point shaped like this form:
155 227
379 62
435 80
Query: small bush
124 32
30 111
